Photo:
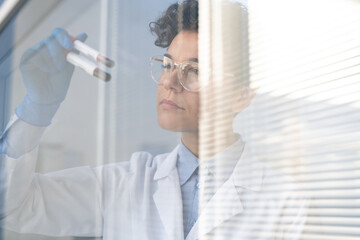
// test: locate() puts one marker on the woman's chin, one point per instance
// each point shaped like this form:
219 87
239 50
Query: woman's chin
169 126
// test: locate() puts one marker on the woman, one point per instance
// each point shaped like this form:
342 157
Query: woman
148 197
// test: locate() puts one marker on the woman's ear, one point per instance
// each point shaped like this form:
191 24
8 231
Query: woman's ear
243 98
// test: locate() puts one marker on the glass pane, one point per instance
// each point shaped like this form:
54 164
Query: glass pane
299 166
248 130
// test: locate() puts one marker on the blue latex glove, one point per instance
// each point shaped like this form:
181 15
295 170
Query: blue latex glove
46 75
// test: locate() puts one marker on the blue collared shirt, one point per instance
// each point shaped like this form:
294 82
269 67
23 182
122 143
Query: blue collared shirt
188 169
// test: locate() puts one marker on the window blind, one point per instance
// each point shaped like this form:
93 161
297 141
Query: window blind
302 60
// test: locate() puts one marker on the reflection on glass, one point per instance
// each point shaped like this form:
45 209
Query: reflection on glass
267 127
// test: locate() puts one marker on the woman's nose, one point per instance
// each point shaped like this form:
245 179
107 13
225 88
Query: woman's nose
171 81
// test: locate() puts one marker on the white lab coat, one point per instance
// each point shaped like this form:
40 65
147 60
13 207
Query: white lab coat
141 199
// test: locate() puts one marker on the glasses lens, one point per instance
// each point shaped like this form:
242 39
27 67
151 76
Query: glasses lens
190 76
160 65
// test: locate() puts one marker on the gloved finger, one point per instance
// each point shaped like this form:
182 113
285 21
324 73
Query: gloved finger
63 38
57 54
40 49
32 58
30 53
25 61
46 55
82 37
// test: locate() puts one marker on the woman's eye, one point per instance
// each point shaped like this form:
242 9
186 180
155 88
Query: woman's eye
194 71
190 69
167 66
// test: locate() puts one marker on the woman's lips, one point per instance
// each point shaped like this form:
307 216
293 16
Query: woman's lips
167 104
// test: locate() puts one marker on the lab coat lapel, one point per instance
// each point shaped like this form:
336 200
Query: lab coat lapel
223 205
167 197
226 203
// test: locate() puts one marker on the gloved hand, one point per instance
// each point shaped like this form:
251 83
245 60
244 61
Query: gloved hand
46 75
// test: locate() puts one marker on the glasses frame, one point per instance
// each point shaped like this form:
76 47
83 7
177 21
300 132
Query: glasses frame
179 66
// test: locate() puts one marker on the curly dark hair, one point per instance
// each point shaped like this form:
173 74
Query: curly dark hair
178 17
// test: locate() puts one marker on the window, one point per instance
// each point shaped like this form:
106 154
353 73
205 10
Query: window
277 124
303 121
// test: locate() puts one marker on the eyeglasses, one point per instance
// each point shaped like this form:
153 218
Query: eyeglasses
162 66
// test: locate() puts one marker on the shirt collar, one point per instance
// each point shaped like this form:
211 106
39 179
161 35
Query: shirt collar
187 163
247 172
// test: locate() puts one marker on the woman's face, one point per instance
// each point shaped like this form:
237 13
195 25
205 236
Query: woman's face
177 108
